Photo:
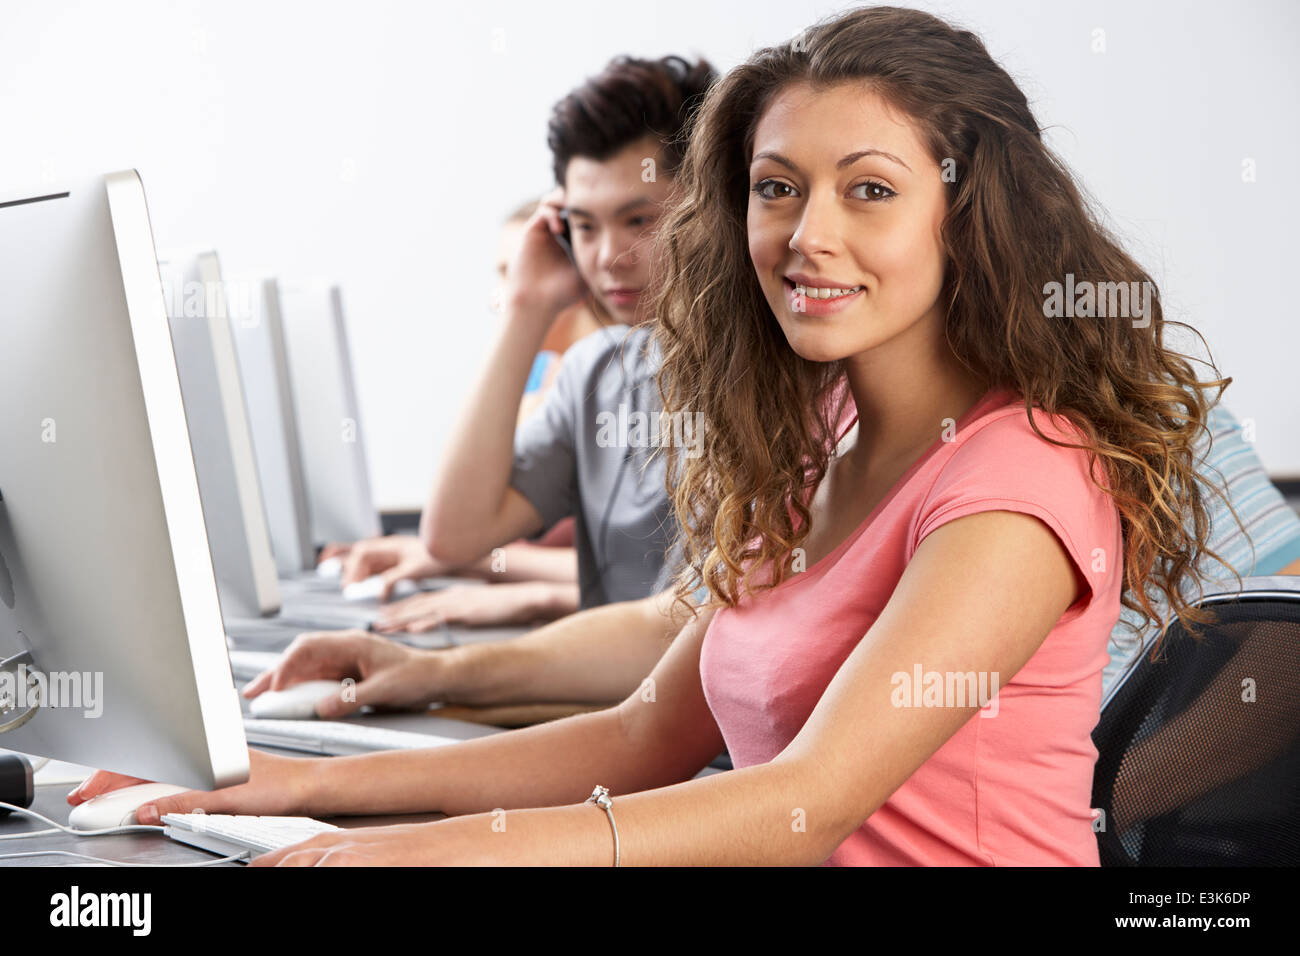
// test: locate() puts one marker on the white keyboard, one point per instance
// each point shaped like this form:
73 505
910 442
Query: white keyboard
229 835
335 738
331 613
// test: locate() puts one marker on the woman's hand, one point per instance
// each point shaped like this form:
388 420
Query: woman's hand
458 841
387 674
277 786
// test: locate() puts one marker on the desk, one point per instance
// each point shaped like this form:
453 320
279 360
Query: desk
459 722
51 800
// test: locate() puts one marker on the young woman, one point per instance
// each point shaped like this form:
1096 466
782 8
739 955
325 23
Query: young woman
867 223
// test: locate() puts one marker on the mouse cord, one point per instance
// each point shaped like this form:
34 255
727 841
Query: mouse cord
59 827
56 827
98 859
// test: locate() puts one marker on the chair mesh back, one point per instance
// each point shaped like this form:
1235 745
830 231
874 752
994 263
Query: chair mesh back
1198 763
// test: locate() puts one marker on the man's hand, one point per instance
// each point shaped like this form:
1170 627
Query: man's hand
335 549
541 281
479 606
387 674
396 557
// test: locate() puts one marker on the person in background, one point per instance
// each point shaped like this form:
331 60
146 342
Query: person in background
615 142
359 559
524 600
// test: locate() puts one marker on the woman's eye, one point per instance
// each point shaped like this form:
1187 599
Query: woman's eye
765 187
581 226
876 192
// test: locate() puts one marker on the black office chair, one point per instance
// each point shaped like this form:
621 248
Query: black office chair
1189 773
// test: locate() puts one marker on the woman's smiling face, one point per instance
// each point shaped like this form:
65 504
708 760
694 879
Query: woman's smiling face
844 196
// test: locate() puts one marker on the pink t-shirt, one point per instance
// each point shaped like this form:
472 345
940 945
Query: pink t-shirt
1012 789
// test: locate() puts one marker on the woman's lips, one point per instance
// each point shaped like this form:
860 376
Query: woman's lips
623 297
806 305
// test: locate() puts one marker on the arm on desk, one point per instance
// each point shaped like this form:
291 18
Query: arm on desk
600 655
631 747
634 746
515 602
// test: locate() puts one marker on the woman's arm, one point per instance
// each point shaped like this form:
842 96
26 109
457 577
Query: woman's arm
981 594
661 734
600 655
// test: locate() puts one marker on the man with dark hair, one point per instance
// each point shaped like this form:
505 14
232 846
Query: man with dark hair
631 99
616 142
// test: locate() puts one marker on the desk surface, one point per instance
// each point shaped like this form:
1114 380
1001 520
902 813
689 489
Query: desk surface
50 799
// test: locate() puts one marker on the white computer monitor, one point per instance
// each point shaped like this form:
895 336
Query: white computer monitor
219 433
106 580
329 419
254 305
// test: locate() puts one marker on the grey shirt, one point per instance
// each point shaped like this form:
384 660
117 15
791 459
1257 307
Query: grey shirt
590 451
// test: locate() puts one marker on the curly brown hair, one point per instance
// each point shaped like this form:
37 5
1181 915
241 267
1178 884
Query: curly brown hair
1015 222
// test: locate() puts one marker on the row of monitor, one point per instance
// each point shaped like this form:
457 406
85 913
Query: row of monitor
156 470
271 404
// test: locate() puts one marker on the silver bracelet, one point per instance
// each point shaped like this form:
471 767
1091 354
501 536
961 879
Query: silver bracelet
600 797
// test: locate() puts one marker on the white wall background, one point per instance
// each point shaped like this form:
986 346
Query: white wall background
381 143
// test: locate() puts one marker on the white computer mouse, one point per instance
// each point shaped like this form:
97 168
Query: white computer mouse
373 586
117 807
293 703
330 568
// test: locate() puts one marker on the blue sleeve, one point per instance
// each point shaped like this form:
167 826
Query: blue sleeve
1268 537
537 375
